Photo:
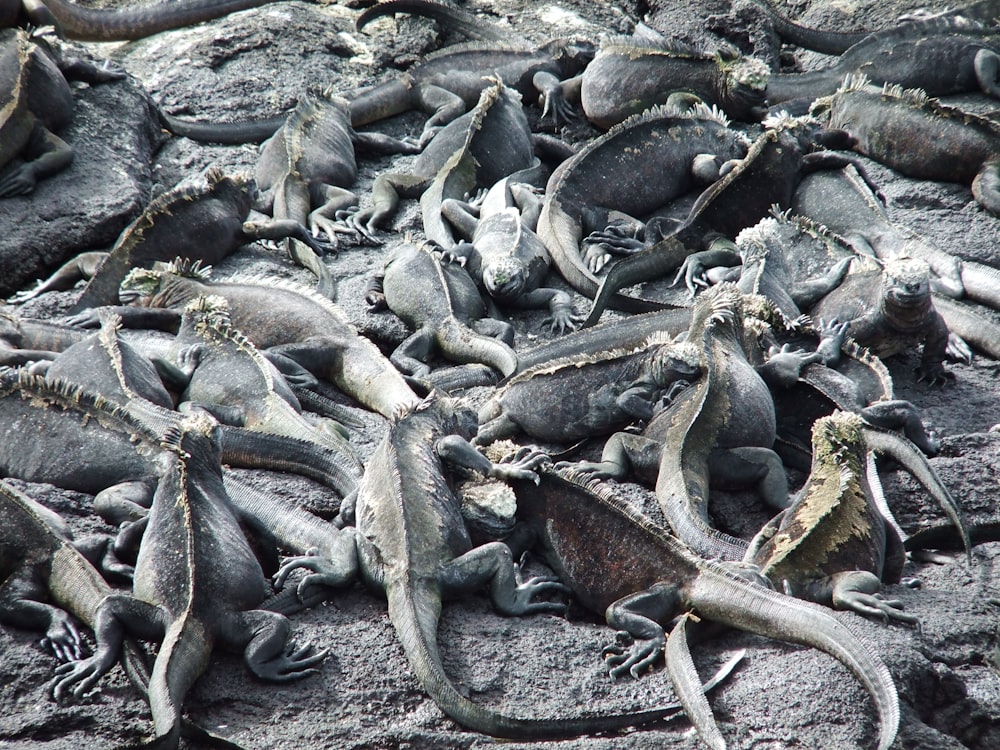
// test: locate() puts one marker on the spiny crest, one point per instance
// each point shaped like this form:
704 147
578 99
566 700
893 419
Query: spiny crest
671 47
190 269
487 46
853 82
208 305
607 494
196 423
700 111
784 121
272 282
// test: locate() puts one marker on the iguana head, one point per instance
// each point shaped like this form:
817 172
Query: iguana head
743 87
206 310
840 437
504 278
906 283
675 361
163 285
571 55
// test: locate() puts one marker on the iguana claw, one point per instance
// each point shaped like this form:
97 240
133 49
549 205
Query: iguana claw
63 638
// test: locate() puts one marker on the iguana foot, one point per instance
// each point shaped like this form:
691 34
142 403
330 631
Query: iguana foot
934 373
522 464
20 181
63 638
858 591
526 590
78 676
563 320
628 655
295 663
958 350
594 469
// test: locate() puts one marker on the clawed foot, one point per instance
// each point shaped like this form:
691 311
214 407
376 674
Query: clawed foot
633 657
63 639
522 464
934 374
526 590
77 677
19 182
563 321
874 605
295 663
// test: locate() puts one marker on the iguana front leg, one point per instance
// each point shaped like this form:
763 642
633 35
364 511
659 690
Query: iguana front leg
53 155
623 452
78 268
553 99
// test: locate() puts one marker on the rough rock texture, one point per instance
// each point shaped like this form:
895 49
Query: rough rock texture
366 697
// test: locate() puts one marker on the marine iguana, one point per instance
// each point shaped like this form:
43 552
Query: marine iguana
447 83
413 545
102 25
628 76
202 220
307 166
229 377
475 150
502 252
837 543
943 56
443 306
647 576
918 136
48 579
35 102
637 166
285 321
591 394
180 594
24 340
766 176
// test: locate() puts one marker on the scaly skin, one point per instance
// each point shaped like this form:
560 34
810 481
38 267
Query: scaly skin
99 25
197 584
413 544
834 544
628 76
918 136
647 576
281 320
639 166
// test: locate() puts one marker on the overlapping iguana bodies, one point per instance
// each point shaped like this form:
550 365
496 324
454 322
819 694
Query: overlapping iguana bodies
307 166
443 306
636 167
203 220
103 25
284 321
918 136
412 543
35 103
837 543
449 82
575 398
628 76
643 577
197 584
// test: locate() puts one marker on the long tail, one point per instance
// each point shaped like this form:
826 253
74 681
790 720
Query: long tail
416 624
92 25
461 344
454 19
976 328
827 42
723 597
229 133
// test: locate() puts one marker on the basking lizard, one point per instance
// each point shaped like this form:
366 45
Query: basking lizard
197 584
646 577
285 321
837 543
413 544
35 102
637 166
444 307
628 76
918 136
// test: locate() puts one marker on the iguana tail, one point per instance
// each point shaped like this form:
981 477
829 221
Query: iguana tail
93 25
454 19
819 40
229 133
721 596
461 344
416 619
976 328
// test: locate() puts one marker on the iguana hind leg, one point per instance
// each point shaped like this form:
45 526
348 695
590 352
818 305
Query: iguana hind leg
751 465
987 67
858 590
986 187
269 653
493 565
639 616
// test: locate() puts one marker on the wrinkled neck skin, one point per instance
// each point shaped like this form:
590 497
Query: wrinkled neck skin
908 313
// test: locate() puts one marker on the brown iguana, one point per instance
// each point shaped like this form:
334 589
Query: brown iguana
628 76
307 166
443 306
35 102
636 167
448 83
643 577
918 136
130 22
285 321
202 219
412 543
197 584
837 542
575 398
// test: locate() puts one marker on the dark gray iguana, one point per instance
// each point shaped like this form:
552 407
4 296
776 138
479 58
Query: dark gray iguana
637 167
129 22
918 136
574 398
645 576
203 219
412 543
838 542
307 166
35 102
444 307
628 76
197 584
285 321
